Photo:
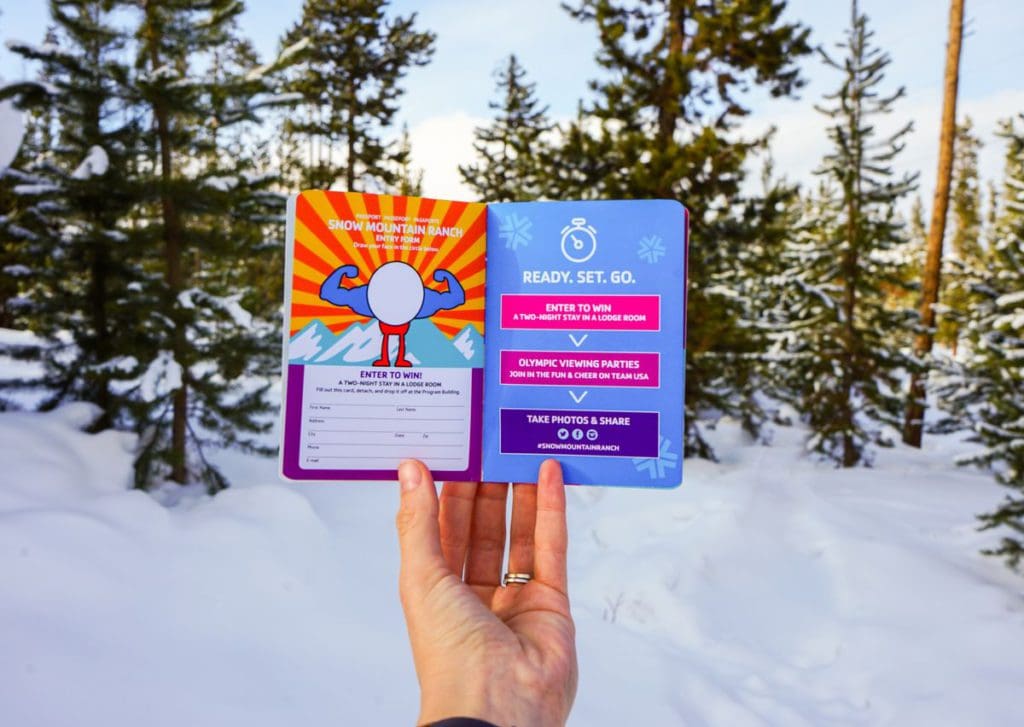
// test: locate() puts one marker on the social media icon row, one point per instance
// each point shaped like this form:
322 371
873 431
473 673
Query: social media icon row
577 434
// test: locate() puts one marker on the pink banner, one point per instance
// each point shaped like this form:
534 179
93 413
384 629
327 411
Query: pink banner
579 368
581 312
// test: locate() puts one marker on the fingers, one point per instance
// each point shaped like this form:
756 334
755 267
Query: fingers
524 519
419 536
551 537
465 532
456 518
487 536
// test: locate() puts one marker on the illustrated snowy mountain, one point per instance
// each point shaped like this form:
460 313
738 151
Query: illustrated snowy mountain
360 343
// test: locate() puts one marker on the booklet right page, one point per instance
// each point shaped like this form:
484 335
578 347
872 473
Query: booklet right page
585 341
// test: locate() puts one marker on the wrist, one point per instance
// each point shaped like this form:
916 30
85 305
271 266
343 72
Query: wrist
492 699
464 699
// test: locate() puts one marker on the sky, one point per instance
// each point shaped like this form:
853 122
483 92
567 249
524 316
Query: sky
447 99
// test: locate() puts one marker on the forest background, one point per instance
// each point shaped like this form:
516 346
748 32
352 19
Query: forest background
141 220
813 569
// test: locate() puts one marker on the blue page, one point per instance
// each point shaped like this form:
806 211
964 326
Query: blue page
585 341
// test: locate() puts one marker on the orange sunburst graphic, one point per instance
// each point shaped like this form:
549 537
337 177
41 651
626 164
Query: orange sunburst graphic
366 230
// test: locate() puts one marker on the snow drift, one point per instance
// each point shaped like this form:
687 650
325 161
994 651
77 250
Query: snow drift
768 590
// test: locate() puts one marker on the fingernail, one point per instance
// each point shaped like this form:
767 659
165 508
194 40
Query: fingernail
409 476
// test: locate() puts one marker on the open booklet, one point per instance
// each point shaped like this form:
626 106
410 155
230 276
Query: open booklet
385 356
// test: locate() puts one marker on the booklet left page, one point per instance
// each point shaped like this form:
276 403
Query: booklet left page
384 306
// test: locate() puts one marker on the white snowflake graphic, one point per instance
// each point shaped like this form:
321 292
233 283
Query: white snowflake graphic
515 231
656 466
651 249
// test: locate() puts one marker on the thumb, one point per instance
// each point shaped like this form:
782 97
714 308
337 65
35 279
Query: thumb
419 535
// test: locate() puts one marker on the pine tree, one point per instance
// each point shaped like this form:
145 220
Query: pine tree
221 150
663 125
931 283
965 255
12 123
206 354
917 236
349 80
967 202
74 202
409 179
918 229
14 257
845 261
988 389
18 259
780 209
510 162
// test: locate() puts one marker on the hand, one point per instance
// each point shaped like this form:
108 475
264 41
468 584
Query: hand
502 654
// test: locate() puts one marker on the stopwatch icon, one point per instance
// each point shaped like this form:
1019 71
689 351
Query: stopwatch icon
579 241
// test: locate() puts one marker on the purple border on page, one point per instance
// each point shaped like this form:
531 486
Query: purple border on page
293 430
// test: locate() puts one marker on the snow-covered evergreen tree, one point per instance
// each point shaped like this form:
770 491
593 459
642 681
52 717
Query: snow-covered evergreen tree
204 378
663 124
409 179
844 263
988 390
349 80
510 164
964 255
757 365
917 234
224 150
74 200
14 255
966 199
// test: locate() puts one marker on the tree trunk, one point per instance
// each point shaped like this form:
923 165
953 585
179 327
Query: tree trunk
668 111
173 278
99 254
98 302
914 421
350 161
851 266
850 278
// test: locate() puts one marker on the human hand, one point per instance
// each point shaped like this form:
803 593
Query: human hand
502 654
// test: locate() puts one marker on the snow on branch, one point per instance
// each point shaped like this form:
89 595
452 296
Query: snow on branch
95 164
286 55
162 377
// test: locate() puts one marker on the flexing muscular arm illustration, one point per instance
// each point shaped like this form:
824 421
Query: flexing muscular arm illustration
435 300
355 298
395 296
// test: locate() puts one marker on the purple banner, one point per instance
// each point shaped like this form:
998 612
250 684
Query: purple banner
567 433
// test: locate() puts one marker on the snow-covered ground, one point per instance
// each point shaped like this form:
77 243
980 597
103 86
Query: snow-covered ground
768 590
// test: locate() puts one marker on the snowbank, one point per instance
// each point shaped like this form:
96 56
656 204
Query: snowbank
767 591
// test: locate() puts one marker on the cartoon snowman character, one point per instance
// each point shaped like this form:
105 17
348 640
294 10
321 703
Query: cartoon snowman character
395 296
